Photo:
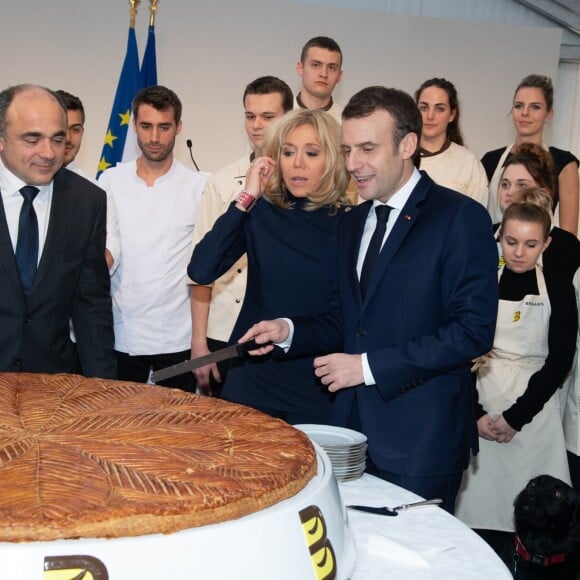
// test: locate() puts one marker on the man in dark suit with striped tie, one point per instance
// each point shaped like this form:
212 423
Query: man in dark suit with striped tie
52 245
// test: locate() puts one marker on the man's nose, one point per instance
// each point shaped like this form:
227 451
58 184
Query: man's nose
47 149
351 161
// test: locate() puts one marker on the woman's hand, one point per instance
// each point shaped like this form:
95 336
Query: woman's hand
484 427
503 431
258 174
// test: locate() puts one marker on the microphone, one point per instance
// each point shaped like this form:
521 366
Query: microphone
189 146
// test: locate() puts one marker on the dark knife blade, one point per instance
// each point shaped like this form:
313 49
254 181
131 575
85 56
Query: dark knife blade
233 351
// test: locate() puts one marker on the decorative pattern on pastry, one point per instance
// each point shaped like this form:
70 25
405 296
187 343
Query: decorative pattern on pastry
99 458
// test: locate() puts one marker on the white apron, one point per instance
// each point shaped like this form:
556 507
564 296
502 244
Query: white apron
572 390
501 470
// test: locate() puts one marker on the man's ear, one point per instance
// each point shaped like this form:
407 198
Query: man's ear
408 145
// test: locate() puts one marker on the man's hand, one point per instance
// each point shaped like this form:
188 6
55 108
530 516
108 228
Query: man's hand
109 259
202 374
339 371
267 332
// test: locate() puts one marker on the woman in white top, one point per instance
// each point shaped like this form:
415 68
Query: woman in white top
532 107
443 155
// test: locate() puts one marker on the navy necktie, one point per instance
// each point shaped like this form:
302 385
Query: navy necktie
374 248
27 243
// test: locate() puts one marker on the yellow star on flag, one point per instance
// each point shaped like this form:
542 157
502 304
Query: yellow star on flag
109 138
103 164
125 117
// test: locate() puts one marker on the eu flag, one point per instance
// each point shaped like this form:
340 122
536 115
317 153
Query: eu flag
121 113
147 78
148 75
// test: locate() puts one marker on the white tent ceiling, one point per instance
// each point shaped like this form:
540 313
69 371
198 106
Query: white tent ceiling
561 14
565 13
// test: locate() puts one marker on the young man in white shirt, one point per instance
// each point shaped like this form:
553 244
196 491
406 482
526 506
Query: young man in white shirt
320 68
157 198
215 309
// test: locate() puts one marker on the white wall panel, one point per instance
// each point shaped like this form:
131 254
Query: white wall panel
208 50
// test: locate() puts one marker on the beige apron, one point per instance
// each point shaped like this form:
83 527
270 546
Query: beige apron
501 470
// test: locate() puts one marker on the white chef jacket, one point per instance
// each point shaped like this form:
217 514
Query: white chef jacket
151 307
112 242
228 290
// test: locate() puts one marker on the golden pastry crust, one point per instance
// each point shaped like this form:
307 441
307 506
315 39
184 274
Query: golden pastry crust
99 458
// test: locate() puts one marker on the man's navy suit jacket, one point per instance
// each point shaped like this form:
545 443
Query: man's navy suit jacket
71 283
430 309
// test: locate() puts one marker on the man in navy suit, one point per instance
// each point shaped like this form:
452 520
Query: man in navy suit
428 309
65 276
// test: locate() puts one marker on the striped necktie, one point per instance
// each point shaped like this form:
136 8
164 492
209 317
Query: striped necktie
27 243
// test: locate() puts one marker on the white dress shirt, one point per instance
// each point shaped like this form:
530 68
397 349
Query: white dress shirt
12 199
397 203
112 244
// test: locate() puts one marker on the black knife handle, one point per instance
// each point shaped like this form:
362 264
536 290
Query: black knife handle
244 347
380 511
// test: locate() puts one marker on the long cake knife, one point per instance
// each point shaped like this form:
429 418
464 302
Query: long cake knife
233 351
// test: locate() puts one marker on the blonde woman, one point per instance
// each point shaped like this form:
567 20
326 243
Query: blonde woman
286 220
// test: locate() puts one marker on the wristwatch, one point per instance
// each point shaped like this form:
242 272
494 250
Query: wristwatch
246 200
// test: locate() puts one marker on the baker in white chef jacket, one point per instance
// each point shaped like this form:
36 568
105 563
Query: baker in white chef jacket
157 198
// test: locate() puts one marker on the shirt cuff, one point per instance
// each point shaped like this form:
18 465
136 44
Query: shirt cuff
368 377
285 346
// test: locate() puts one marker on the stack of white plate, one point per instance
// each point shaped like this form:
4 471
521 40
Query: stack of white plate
346 449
